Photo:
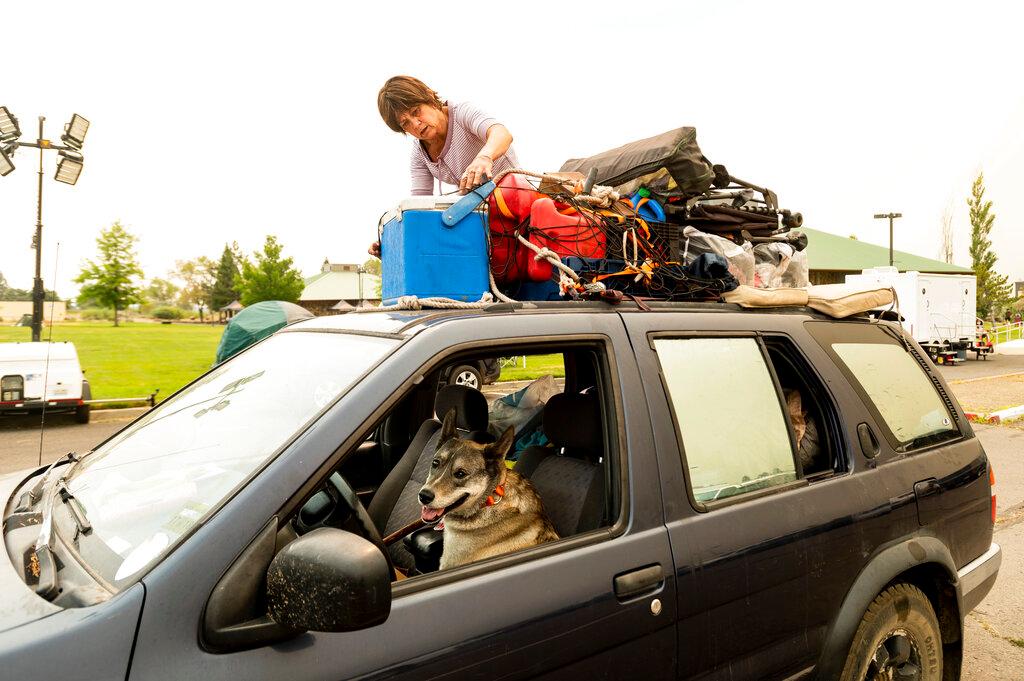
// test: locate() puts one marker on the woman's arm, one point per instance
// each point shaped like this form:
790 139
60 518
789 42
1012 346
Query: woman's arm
499 139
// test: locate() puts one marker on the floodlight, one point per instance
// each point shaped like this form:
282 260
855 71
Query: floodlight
6 165
74 132
8 125
69 167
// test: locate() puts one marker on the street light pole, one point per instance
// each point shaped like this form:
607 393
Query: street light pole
38 292
891 216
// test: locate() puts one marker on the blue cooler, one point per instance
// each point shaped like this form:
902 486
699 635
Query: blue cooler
423 257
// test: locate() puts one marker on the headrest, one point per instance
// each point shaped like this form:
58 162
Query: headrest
469 404
574 422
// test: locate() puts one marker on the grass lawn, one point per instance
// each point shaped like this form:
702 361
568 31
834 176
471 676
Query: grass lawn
135 358
536 366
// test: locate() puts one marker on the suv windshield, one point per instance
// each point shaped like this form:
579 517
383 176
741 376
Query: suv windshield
151 483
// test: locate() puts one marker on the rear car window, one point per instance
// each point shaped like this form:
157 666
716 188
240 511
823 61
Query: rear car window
734 433
899 389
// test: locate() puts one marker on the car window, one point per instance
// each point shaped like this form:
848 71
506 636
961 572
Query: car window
146 487
735 438
899 389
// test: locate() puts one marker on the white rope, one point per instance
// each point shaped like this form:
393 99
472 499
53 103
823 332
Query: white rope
550 256
599 196
415 303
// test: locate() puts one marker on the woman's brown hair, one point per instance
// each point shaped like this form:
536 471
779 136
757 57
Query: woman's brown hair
402 93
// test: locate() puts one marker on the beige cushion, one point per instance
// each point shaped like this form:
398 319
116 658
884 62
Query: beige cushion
843 300
748 296
836 300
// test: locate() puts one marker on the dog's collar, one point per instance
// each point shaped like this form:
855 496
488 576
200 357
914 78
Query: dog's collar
499 491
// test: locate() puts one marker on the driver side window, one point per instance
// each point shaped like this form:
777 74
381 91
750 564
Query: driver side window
491 454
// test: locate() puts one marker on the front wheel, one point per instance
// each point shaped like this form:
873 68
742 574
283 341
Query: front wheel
898 638
467 376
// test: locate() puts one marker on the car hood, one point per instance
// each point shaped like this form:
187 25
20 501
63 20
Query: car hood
19 604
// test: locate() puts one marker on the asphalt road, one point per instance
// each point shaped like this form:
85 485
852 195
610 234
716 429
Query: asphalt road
20 436
996 365
994 632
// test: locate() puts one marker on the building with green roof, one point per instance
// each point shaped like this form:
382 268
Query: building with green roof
831 257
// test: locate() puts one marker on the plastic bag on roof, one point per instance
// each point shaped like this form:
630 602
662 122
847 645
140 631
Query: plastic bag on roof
779 265
739 256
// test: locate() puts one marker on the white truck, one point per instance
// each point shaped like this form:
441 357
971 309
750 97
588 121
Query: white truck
938 310
25 367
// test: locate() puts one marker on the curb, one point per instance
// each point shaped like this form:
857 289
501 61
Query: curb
996 417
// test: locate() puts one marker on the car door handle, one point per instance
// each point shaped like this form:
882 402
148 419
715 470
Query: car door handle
636 582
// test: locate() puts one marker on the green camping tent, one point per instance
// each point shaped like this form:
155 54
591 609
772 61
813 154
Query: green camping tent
255 323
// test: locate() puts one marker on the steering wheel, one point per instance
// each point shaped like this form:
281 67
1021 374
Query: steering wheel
336 505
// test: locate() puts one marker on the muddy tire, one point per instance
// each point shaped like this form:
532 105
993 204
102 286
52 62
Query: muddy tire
898 638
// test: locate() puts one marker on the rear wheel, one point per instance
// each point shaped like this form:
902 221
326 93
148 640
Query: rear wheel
898 638
82 413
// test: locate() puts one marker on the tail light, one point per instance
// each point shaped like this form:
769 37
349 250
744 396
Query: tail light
992 487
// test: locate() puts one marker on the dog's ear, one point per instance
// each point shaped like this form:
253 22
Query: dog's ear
448 427
497 450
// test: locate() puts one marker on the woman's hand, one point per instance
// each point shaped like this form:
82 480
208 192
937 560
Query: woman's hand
374 249
478 172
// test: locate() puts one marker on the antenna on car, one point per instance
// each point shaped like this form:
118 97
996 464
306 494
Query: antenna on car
49 344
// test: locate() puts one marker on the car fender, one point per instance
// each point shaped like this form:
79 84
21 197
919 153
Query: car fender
882 569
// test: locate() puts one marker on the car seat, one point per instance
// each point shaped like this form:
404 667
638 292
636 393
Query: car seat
569 476
396 502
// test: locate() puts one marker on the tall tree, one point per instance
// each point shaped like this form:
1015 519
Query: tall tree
112 281
993 291
225 285
270 277
161 292
197 277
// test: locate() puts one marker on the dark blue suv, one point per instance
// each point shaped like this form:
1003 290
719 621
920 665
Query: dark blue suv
739 495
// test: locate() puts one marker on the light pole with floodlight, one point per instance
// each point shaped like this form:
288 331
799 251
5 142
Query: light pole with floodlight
69 167
891 216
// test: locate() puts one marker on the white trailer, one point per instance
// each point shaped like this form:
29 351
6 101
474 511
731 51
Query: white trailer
38 375
938 310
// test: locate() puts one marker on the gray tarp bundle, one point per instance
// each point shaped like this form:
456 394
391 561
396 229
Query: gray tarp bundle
671 161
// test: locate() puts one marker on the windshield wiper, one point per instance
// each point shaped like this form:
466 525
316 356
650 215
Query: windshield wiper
77 512
43 564
29 498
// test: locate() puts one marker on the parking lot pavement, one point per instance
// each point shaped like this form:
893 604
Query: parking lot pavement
994 632
19 436
996 365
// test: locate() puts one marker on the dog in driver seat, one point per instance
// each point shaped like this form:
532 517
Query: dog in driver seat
485 509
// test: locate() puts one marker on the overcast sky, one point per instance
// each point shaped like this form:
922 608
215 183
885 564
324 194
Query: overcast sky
218 121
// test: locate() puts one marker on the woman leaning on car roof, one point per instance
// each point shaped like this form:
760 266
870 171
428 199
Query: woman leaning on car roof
454 142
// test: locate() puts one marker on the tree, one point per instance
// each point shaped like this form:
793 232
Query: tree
161 292
112 281
993 290
197 277
225 285
372 266
946 250
270 277
9 293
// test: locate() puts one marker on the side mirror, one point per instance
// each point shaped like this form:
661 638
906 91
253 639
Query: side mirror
329 580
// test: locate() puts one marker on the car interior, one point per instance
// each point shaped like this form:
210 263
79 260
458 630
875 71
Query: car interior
561 431
820 442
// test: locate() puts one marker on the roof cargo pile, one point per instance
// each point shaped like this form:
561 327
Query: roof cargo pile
650 219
